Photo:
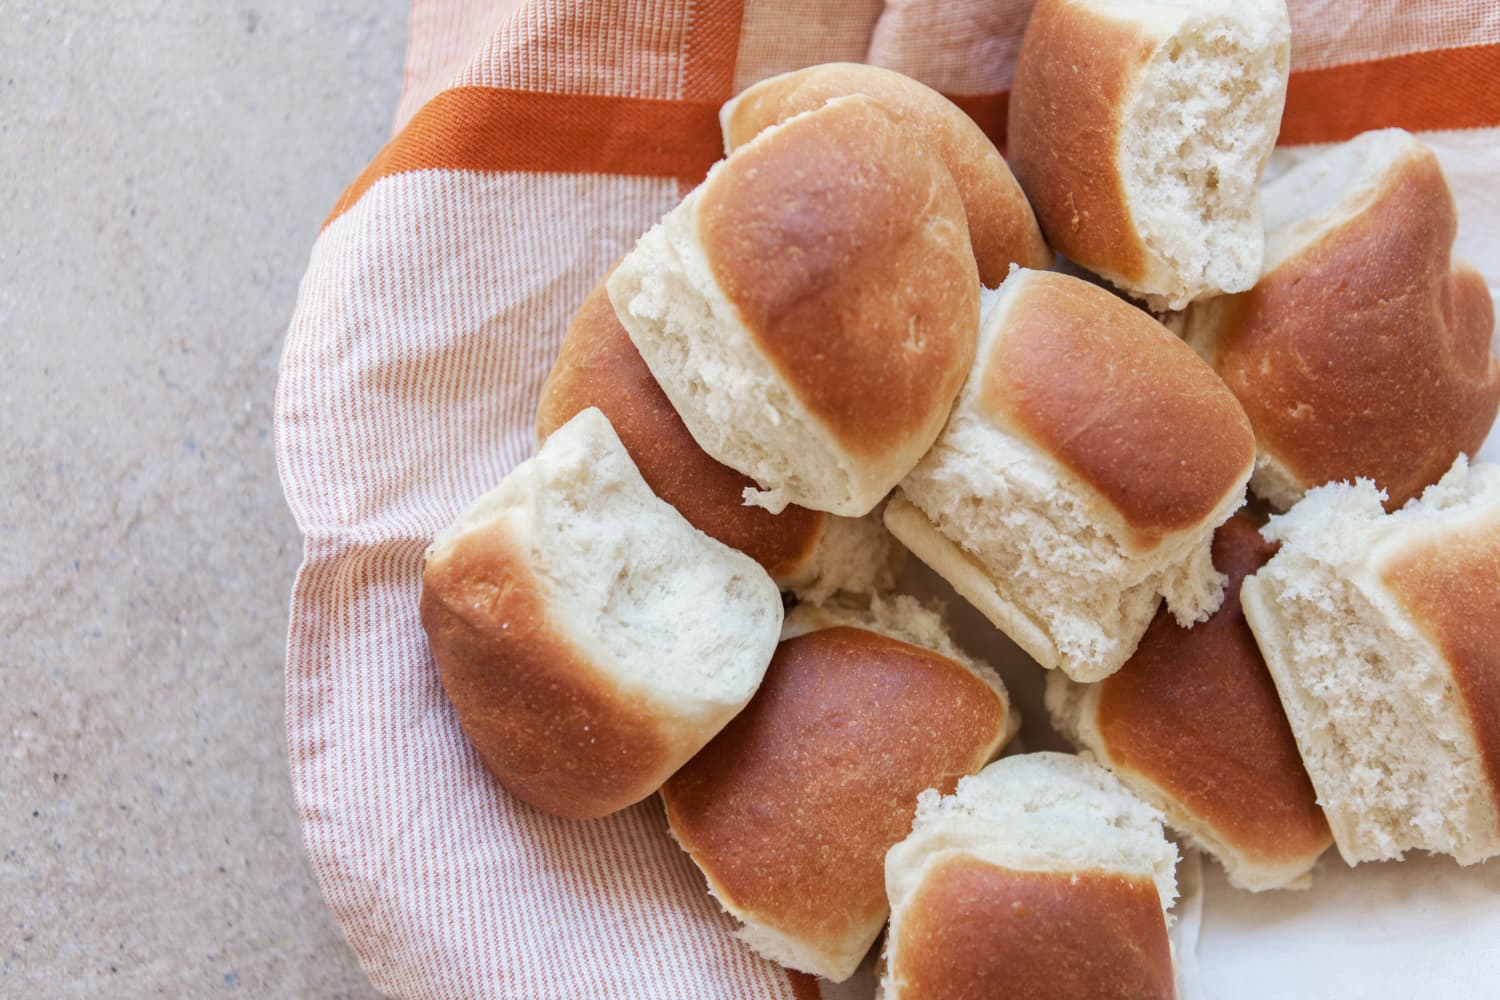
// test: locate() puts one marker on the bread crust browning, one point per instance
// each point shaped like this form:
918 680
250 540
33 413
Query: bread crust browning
790 810
546 722
1119 401
1195 716
1074 77
598 365
841 241
1449 586
973 930
1002 226
1365 354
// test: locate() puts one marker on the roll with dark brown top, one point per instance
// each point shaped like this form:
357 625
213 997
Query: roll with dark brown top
1002 227
1080 477
589 638
811 308
1364 348
790 811
1041 877
1192 723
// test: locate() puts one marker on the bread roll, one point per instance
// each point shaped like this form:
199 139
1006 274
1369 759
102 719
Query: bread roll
1042 878
810 309
1139 129
1085 467
809 552
1002 228
1364 350
590 639
1382 632
1192 724
790 811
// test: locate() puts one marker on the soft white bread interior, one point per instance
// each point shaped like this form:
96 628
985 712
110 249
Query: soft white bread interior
1382 632
810 309
1364 349
1148 172
790 811
590 639
808 552
1193 725
1001 224
852 556
1041 876
1086 464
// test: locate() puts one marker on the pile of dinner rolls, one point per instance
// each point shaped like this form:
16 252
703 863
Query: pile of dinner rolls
851 342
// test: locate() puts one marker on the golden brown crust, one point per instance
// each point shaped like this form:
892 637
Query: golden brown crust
1364 354
790 810
1449 586
599 366
1002 228
842 242
552 730
973 930
1195 713
1074 76
1119 401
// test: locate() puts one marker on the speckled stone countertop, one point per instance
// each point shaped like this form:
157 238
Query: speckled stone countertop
165 169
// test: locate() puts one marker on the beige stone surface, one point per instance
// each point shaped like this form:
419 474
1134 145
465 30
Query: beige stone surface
164 169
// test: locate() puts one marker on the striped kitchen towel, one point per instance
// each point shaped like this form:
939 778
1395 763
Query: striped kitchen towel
535 141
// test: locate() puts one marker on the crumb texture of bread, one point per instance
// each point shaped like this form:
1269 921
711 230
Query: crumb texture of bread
1057 859
851 555
1067 531
790 810
1378 701
1364 350
1195 140
1148 173
682 322
1192 723
578 622
599 366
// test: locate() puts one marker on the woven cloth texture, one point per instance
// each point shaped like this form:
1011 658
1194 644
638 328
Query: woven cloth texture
535 142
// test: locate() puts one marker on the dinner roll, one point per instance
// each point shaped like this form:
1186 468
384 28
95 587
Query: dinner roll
1382 632
590 639
809 552
1139 129
810 309
1002 227
1087 463
1192 724
1041 877
790 810
1364 350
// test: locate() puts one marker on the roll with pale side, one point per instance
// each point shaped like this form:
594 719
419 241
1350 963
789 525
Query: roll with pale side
1087 463
790 811
809 552
1192 724
1002 226
1139 130
1382 632
810 309
1041 877
590 639
1364 349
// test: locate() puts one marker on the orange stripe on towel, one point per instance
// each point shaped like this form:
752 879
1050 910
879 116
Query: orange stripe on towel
1419 91
495 129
